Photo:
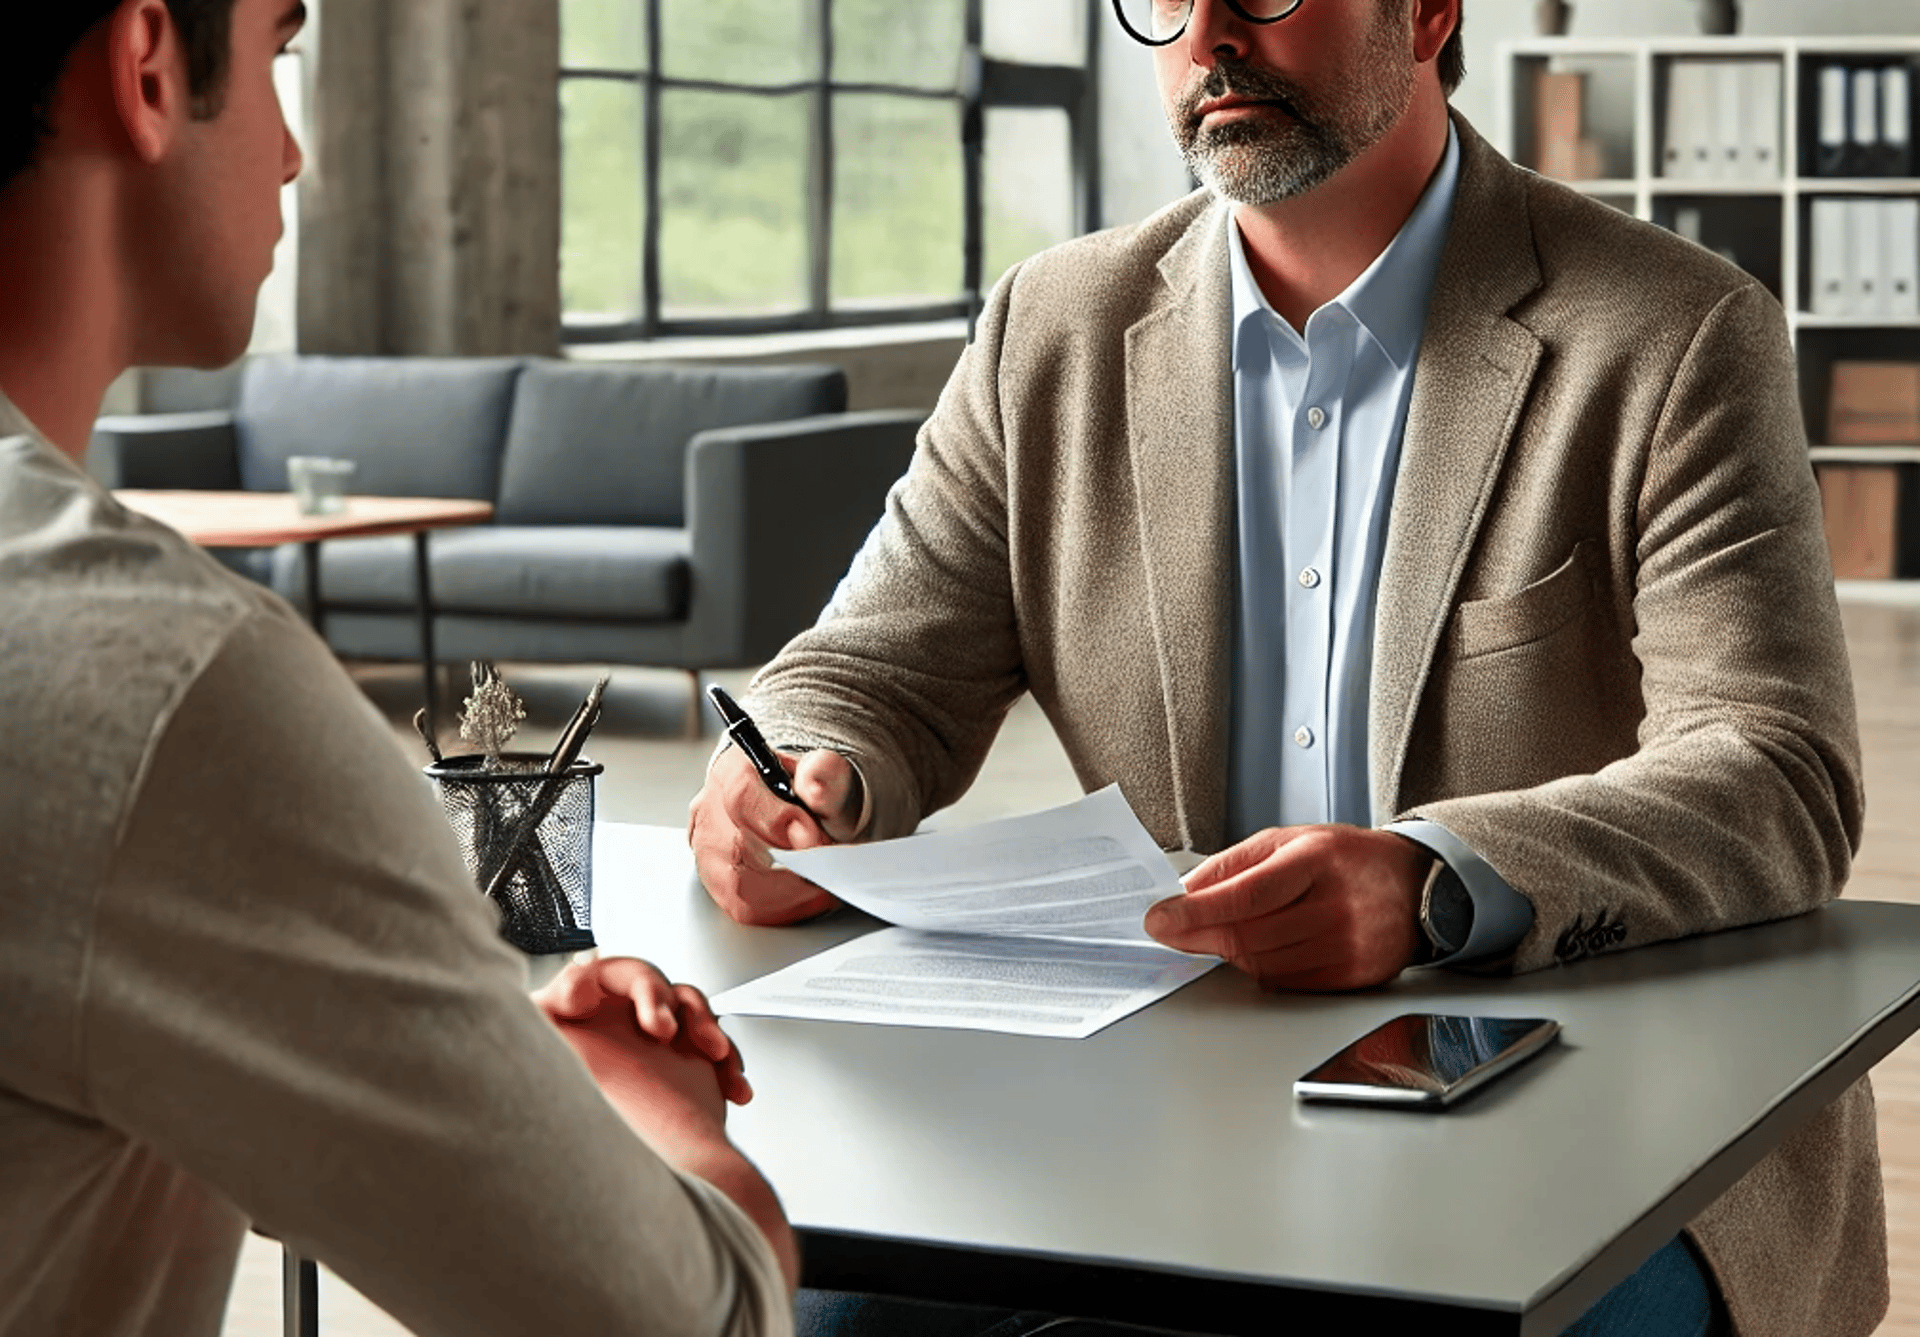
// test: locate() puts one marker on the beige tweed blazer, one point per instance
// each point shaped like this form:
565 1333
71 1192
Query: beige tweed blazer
1607 650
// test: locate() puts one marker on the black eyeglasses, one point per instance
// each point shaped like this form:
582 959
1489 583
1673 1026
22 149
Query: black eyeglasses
1159 22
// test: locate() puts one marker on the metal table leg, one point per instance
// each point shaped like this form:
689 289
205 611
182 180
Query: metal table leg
423 613
316 611
299 1294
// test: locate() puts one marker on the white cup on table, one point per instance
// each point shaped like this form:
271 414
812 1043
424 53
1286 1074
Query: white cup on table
319 483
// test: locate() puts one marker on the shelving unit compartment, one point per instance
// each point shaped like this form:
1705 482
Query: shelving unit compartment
1718 120
1573 116
1822 211
1816 163
1820 348
1744 229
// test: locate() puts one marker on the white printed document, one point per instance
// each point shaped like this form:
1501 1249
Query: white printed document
1027 926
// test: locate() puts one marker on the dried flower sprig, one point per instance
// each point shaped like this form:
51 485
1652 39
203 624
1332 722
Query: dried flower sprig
493 712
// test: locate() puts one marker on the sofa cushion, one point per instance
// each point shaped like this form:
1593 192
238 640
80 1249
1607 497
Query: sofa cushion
607 445
417 427
629 574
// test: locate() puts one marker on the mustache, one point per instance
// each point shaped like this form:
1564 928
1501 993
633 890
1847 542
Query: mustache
1240 79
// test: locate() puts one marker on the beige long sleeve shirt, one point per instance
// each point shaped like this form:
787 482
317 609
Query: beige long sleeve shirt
244 976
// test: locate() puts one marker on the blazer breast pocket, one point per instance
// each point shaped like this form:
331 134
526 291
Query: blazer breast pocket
1487 626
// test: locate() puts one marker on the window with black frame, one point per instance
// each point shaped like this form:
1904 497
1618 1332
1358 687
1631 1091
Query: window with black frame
754 165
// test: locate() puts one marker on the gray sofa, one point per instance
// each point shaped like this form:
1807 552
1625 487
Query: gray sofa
687 517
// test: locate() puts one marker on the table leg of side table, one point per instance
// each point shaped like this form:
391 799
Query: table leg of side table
299 1294
316 612
423 612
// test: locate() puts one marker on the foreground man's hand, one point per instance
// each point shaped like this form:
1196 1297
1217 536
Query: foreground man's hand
1304 907
609 996
735 825
662 1061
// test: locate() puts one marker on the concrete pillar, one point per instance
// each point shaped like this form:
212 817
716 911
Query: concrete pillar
343 189
436 197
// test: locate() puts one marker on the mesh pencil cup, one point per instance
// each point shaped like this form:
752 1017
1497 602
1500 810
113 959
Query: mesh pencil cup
546 902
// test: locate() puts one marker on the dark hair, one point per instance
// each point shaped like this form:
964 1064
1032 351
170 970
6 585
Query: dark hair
39 41
1453 56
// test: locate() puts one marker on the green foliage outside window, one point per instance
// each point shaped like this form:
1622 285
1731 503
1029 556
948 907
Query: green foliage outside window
734 173
733 202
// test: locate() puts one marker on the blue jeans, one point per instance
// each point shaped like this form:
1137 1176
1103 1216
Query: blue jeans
1670 1296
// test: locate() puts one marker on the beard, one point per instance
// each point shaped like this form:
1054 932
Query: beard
1263 158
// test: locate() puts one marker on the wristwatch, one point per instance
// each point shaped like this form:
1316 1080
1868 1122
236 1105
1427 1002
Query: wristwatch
1446 912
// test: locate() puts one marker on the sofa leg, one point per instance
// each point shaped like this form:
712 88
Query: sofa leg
696 706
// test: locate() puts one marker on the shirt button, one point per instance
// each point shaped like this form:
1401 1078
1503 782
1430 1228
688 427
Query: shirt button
1316 417
1310 579
1303 736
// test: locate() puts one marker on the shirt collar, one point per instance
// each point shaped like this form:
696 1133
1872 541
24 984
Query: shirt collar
1389 299
13 422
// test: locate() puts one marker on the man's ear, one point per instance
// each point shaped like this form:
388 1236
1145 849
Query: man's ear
1433 23
148 70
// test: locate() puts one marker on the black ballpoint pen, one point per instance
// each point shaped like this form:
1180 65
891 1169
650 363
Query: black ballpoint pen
746 736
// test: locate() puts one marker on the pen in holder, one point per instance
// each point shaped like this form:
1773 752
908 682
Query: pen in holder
540 876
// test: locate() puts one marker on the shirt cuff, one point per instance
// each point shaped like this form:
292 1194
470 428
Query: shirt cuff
1501 915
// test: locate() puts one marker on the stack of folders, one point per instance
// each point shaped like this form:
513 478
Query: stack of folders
1723 121
1871 406
1866 258
1562 148
1865 122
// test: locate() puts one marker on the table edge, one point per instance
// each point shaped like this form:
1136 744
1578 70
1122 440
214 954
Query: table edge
1559 1304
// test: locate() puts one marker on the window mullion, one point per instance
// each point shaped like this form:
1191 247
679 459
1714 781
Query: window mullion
650 171
973 140
1086 128
820 172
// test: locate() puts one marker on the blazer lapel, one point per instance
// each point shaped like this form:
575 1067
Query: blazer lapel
1475 368
1180 434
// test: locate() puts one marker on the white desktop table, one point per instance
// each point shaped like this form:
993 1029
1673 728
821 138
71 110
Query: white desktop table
1161 1172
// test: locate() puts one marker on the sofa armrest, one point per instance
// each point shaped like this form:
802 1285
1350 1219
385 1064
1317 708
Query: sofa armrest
777 512
165 450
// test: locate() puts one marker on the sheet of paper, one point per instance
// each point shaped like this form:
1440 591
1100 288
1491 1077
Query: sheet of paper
1027 926
1011 985
1082 872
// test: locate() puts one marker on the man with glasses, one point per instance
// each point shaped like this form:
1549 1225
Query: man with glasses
1432 545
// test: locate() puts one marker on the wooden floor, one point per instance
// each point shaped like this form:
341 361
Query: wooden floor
650 776
1885 644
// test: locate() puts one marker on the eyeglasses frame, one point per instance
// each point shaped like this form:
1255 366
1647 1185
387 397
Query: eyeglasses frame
1120 13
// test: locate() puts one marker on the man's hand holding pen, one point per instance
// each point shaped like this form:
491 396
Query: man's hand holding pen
735 824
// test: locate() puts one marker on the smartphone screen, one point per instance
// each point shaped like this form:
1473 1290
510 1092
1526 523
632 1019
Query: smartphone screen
1426 1059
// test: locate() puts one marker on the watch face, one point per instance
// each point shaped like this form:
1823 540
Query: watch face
1447 914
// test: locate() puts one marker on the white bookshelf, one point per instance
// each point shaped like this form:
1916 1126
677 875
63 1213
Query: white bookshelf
1626 111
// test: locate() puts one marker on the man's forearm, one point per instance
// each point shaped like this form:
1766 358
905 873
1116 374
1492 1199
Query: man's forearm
721 1164
716 1160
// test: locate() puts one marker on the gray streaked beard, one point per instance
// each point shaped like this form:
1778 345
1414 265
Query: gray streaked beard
1257 162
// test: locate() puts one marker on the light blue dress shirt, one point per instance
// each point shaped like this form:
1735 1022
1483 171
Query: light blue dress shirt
1318 419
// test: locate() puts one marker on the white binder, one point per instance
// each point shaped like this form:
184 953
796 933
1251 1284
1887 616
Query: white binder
1762 104
1865 97
1900 258
1863 259
1896 120
1728 79
1687 154
1830 292
1831 154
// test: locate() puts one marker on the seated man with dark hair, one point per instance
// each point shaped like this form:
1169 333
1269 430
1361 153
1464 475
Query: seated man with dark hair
244 972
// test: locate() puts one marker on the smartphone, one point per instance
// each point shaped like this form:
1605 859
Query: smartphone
1426 1061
